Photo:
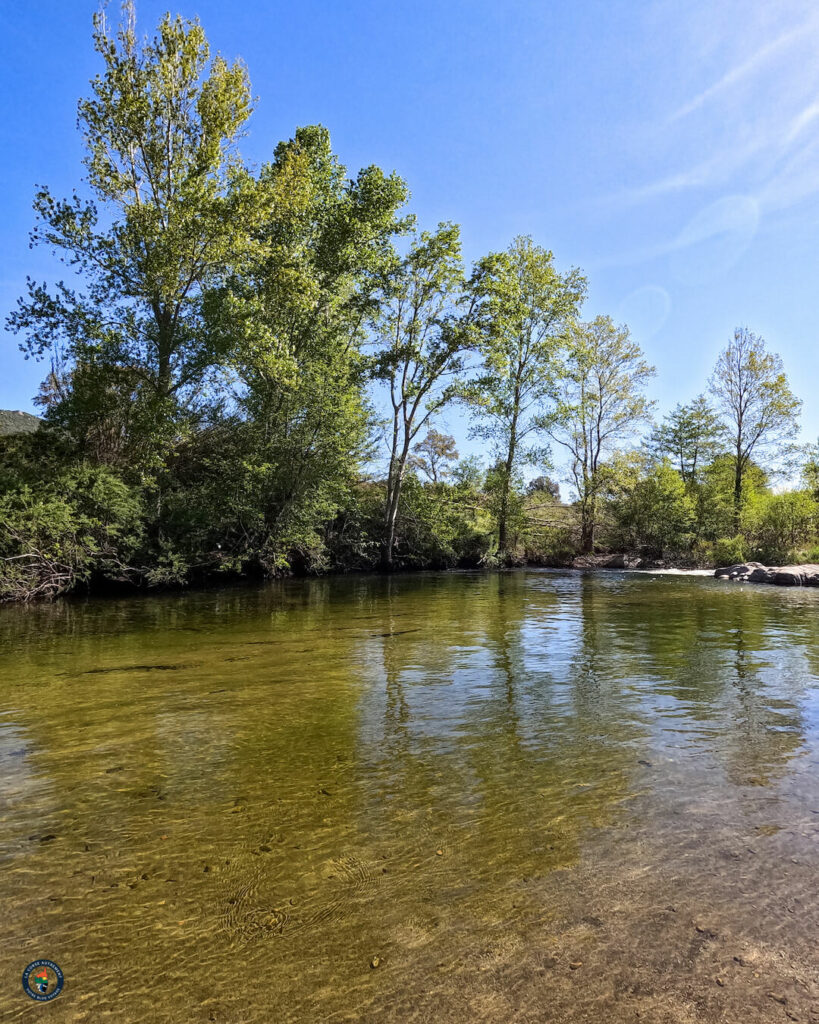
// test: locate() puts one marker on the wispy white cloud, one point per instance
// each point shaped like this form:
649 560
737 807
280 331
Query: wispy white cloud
795 181
714 170
747 69
748 131
720 232
802 120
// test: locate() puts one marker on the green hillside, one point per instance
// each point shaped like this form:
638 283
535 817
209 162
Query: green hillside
13 422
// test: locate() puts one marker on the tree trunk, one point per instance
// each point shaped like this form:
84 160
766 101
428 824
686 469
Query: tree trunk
390 514
587 533
503 511
394 482
389 531
588 511
164 347
386 549
737 491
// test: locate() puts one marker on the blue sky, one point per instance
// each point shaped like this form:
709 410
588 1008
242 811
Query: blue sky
669 149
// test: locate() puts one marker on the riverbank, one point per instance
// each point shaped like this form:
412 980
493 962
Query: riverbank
800 575
625 560
748 572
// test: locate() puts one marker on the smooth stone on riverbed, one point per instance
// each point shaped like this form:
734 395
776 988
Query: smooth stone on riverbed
806 575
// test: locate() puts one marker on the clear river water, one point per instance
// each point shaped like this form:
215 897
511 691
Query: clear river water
521 797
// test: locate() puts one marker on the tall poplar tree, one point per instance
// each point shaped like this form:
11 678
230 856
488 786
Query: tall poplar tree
526 305
422 332
601 404
753 393
165 219
293 319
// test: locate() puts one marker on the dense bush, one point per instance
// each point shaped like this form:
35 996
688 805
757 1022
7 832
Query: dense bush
729 550
657 513
86 524
778 525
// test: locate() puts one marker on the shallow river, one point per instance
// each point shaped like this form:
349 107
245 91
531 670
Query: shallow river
535 796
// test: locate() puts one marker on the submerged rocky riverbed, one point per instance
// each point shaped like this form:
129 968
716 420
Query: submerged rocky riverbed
530 796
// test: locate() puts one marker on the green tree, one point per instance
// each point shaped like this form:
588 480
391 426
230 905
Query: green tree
714 496
469 474
601 403
544 485
165 220
526 306
810 469
293 319
422 334
659 511
777 524
753 393
691 436
434 455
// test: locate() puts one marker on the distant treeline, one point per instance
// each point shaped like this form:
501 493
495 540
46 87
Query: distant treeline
221 353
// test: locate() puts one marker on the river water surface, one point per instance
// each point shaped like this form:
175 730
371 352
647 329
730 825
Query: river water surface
533 796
